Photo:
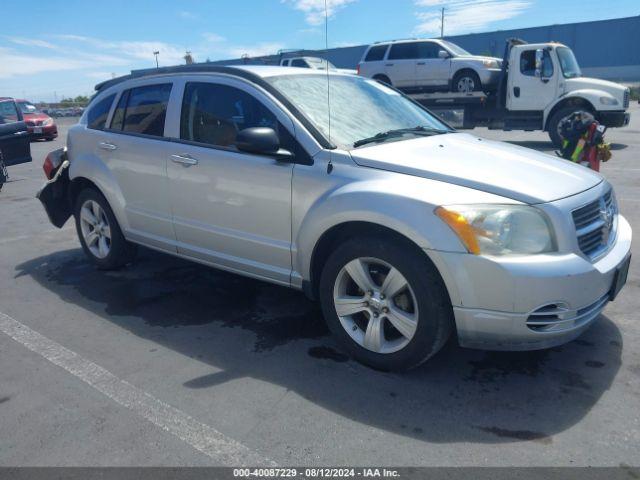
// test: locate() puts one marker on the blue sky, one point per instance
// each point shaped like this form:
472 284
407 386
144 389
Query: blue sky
64 47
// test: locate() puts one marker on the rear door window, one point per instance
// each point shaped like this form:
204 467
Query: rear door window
404 51
98 113
143 110
375 54
298 62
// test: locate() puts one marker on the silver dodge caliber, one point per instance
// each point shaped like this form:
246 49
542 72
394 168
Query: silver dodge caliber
405 230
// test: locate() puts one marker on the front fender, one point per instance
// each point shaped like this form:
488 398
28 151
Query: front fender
589 95
376 202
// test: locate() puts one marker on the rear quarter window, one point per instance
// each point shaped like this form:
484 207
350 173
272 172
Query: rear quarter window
375 54
97 114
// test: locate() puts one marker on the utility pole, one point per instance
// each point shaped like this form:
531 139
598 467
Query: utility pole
442 23
156 53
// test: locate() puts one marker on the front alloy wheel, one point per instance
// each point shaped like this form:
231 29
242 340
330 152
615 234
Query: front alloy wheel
376 305
385 302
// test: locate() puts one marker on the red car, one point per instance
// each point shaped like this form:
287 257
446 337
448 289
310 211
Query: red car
39 124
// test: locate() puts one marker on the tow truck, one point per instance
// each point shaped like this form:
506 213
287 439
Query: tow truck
540 84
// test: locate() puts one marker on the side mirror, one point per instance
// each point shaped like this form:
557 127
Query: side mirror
540 65
443 54
263 141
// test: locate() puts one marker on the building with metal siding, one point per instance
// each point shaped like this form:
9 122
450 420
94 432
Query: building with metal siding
608 49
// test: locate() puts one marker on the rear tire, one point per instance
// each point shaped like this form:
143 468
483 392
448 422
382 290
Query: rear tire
99 232
554 122
394 325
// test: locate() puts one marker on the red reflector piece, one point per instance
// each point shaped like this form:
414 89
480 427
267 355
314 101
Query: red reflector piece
48 167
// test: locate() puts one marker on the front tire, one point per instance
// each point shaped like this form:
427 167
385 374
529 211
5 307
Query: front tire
467 81
385 302
99 232
554 123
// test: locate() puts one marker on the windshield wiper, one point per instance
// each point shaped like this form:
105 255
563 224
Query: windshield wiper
398 132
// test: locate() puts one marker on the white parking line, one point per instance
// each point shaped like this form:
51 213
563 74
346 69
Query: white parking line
222 449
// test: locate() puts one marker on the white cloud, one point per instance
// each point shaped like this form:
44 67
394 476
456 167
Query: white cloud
464 16
15 63
213 37
30 42
314 10
257 50
184 14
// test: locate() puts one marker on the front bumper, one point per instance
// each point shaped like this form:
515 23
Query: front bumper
495 297
489 76
614 119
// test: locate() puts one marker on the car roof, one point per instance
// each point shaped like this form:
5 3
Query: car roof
406 40
254 73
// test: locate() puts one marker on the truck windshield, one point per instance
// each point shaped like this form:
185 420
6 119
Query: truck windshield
568 62
360 108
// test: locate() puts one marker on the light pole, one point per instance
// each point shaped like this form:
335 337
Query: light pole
156 53
442 23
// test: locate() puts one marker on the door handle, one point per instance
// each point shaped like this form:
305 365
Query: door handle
23 132
186 160
516 91
107 146
421 63
389 65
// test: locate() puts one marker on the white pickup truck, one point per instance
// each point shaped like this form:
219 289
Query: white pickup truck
539 85
315 63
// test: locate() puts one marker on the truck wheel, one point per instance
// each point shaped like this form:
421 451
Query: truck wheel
385 303
99 232
383 78
553 124
467 81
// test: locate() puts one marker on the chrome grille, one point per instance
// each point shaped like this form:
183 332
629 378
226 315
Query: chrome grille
594 224
626 98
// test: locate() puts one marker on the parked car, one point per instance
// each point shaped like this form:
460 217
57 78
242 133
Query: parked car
40 124
437 65
314 63
404 229
14 136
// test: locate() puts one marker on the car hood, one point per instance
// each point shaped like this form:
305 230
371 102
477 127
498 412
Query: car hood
480 58
580 83
462 159
35 116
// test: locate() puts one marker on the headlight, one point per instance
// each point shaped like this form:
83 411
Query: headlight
491 63
47 122
499 229
608 101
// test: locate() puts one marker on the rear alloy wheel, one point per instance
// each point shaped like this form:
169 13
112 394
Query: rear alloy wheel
96 231
385 302
99 232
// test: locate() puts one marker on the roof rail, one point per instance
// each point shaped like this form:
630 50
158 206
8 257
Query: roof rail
399 40
193 68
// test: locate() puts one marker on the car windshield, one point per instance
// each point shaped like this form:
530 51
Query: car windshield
27 107
568 62
360 108
456 50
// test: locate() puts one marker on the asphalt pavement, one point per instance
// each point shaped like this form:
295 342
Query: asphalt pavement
171 363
